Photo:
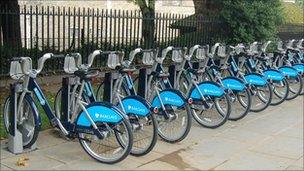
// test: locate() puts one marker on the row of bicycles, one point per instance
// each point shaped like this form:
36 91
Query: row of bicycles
112 120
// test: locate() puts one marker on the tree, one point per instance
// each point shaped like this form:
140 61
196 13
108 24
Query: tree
206 6
10 24
147 8
248 21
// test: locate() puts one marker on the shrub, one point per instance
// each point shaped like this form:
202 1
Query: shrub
248 21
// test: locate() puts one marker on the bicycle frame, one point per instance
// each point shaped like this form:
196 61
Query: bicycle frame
30 85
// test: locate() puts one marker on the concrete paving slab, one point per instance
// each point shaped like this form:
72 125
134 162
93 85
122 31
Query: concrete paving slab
4 153
254 161
299 162
35 162
278 146
2 167
244 136
292 131
218 147
294 168
87 165
146 158
157 165
66 153
49 138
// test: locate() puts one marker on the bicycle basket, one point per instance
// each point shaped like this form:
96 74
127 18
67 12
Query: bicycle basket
70 64
289 44
202 52
221 51
177 56
254 48
239 49
148 58
280 45
16 70
113 60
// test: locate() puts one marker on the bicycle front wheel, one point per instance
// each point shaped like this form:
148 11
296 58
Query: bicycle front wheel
114 147
26 122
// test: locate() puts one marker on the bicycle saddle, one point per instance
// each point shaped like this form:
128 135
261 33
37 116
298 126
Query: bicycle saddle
196 71
160 75
125 70
86 75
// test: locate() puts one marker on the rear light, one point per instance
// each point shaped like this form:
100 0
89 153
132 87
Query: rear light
155 110
190 100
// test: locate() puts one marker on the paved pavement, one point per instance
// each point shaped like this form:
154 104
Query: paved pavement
270 140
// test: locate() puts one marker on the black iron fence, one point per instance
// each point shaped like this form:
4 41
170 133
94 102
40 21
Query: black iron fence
291 31
32 31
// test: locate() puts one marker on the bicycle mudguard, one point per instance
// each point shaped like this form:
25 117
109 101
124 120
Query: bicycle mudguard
37 117
255 79
289 71
135 105
207 88
233 83
99 112
272 74
169 97
299 68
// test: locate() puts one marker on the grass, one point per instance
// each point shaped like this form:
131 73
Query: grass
44 119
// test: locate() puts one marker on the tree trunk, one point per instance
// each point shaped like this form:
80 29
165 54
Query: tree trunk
199 6
148 26
206 6
10 23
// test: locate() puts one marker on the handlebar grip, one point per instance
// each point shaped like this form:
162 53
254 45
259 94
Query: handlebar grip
58 56
178 48
16 59
74 54
148 50
110 52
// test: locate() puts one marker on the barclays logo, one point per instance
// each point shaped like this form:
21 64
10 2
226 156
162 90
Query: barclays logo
105 116
137 109
172 100
211 91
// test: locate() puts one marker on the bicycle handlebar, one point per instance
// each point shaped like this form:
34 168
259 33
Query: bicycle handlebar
193 49
133 53
100 52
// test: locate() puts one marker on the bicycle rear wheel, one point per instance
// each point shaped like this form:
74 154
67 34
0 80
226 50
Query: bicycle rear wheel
114 147
214 116
177 128
295 87
144 134
240 104
261 97
280 91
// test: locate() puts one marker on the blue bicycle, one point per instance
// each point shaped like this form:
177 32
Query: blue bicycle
211 106
260 89
235 88
284 61
174 109
136 108
99 126
259 61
